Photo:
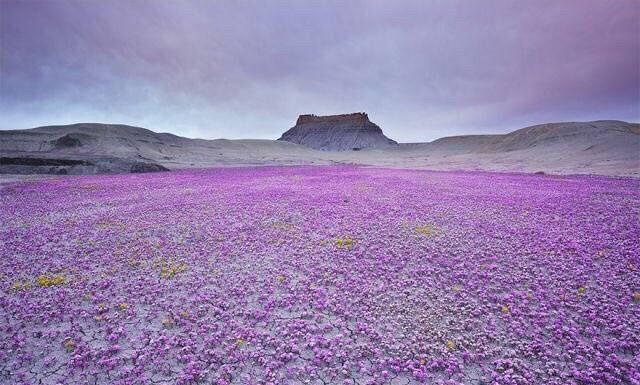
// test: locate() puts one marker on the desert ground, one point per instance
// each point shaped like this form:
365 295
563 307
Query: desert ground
320 275
605 147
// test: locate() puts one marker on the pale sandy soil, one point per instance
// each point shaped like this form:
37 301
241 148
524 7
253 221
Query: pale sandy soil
609 148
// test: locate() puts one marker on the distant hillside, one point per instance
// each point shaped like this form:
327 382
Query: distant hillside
114 148
606 147
600 147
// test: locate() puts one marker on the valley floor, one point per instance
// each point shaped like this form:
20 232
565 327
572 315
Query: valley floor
320 275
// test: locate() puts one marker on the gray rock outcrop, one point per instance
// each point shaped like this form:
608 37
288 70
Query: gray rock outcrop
346 132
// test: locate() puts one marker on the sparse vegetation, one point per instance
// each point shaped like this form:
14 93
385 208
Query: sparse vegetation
170 270
427 230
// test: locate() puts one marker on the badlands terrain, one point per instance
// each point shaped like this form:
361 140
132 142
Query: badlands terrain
317 268
599 147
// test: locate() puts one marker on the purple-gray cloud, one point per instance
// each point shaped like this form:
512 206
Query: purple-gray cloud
242 69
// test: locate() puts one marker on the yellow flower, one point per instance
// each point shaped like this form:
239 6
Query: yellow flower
280 278
581 290
636 297
240 342
343 242
46 280
504 309
451 345
122 306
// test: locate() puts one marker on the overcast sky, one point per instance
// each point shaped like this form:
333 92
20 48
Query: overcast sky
246 69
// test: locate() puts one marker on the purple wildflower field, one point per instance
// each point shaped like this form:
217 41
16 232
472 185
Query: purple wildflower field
320 275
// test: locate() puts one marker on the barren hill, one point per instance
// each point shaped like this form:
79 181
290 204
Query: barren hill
600 147
607 147
337 133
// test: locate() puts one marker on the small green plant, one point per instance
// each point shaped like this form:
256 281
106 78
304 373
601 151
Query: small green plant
427 230
167 323
451 345
69 345
281 225
20 286
133 263
170 270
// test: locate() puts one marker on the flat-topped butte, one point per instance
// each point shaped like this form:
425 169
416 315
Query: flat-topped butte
312 118
345 132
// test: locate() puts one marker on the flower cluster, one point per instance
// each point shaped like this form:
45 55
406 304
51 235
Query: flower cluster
48 280
320 275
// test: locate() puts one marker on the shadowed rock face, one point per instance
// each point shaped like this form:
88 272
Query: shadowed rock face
337 133
62 166
147 167
69 140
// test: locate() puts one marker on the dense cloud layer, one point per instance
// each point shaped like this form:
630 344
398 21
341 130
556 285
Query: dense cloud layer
247 69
